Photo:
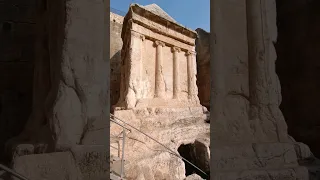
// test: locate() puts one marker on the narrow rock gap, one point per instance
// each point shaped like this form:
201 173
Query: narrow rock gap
297 67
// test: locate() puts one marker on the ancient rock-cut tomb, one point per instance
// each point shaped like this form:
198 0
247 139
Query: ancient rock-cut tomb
158 93
158 61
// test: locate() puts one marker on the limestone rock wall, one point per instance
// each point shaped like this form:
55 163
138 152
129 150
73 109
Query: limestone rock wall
203 67
17 37
230 75
115 56
298 69
71 81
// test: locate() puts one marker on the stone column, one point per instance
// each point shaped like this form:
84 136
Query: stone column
191 74
176 80
159 80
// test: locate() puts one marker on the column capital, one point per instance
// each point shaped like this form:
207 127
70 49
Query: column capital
159 43
190 53
175 49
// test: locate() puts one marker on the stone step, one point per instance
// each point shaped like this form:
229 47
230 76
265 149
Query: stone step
254 156
295 173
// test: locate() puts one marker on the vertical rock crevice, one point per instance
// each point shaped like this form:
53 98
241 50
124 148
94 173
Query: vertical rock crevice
298 68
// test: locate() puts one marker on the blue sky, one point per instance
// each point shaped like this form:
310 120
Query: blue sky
190 13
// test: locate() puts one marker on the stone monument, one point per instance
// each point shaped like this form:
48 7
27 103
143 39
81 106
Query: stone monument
158 95
158 61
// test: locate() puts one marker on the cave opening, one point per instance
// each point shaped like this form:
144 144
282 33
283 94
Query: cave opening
298 68
194 154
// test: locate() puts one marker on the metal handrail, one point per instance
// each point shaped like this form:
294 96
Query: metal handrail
12 172
171 151
123 143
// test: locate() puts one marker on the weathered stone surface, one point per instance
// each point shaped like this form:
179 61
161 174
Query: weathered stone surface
230 76
202 153
265 92
246 109
159 95
81 162
71 102
203 66
149 43
194 177
115 56
246 91
143 153
253 156
150 167
47 166
92 161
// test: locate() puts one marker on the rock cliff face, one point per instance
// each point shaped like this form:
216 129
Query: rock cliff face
69 72
115 56
247 124
203 67
70 105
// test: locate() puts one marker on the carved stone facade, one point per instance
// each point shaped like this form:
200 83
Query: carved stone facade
158 94
158 62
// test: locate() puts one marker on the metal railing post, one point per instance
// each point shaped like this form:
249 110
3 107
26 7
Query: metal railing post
122 158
